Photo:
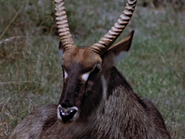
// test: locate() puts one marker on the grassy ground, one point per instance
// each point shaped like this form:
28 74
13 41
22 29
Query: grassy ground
30 71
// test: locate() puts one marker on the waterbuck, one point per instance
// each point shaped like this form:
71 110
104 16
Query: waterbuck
96 102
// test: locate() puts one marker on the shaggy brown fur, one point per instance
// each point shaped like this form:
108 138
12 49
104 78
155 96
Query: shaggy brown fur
108 107
123 116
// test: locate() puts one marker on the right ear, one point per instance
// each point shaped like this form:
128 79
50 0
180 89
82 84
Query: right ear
123 46
61 50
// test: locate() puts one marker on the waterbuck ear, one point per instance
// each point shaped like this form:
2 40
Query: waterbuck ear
123 46
60 47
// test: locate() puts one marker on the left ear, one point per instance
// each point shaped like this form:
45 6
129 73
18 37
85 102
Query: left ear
123 46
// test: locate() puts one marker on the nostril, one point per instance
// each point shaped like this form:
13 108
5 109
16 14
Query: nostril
67 114
72 112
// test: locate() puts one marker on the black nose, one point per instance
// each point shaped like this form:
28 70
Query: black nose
67 114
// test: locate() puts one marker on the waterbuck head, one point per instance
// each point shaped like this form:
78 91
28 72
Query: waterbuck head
86 70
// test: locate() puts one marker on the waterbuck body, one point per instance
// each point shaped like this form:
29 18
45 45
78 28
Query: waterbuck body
96 102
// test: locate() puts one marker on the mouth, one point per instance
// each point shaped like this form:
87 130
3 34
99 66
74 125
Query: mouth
67 115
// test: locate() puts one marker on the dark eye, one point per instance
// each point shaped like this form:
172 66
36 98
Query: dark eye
62 67
62 70
97 68
65 75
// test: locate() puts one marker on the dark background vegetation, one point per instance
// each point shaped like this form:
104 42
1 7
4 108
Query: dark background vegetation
30 71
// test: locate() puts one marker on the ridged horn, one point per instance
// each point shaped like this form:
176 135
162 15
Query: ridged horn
105 42
62 25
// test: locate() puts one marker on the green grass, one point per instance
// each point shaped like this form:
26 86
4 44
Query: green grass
30 71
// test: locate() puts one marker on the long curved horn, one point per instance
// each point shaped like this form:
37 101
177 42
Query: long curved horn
62 25
105 42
